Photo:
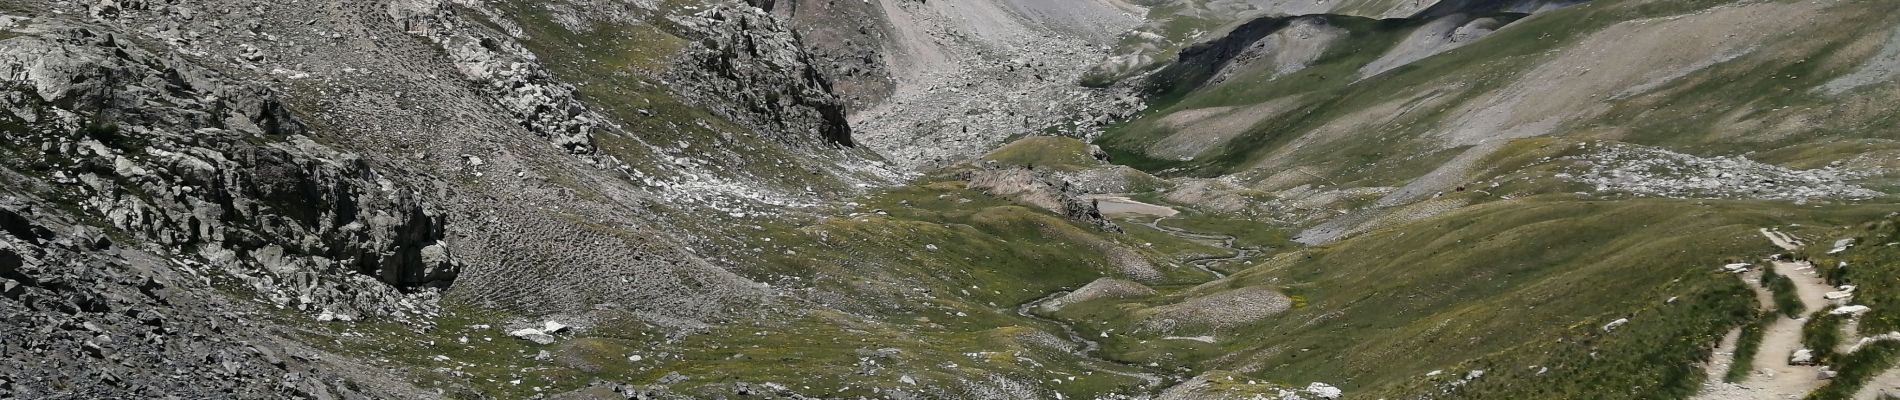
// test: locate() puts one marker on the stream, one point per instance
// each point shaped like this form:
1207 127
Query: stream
1124 207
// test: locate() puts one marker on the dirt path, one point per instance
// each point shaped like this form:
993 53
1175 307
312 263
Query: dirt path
1887 384
1724 359
1782 240
1774 377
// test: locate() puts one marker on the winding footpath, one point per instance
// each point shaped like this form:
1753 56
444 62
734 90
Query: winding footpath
1774 377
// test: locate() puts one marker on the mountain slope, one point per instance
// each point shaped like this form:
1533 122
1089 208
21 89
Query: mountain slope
998 199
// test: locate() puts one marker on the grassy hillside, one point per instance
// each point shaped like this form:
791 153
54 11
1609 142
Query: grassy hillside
616 61
1394 126
1871 264
1516 282
1510 288
915 290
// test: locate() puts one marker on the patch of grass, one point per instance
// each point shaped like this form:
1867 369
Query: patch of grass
467 348
1821 334
1870 265
935 270
1787 302
1247 233
1510 287
1746 346
1061 153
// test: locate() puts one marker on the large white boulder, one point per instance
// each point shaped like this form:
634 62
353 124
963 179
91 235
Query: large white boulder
533 335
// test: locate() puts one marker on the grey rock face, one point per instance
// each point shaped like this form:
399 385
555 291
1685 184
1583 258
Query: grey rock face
748 67
507 73
78 321
178 156
848 41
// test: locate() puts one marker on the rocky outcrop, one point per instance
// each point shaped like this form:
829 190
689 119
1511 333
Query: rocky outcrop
178 156
746 66
1040 189
848 40
81 317
507 72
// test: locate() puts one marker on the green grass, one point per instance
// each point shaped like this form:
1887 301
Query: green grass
1871 265
1696 114
1820 334
935 305
1247 233
1494 287
1167 243
1060 153
490 361
955 305
1746 346
1787 302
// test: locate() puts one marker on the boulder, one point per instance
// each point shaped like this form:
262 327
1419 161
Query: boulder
1618 323
1801 357
1841 246
533 335
10 261
1324 391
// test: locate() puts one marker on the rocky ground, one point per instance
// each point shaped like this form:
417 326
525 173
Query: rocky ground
178 174
643 199
971 77
1646 171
